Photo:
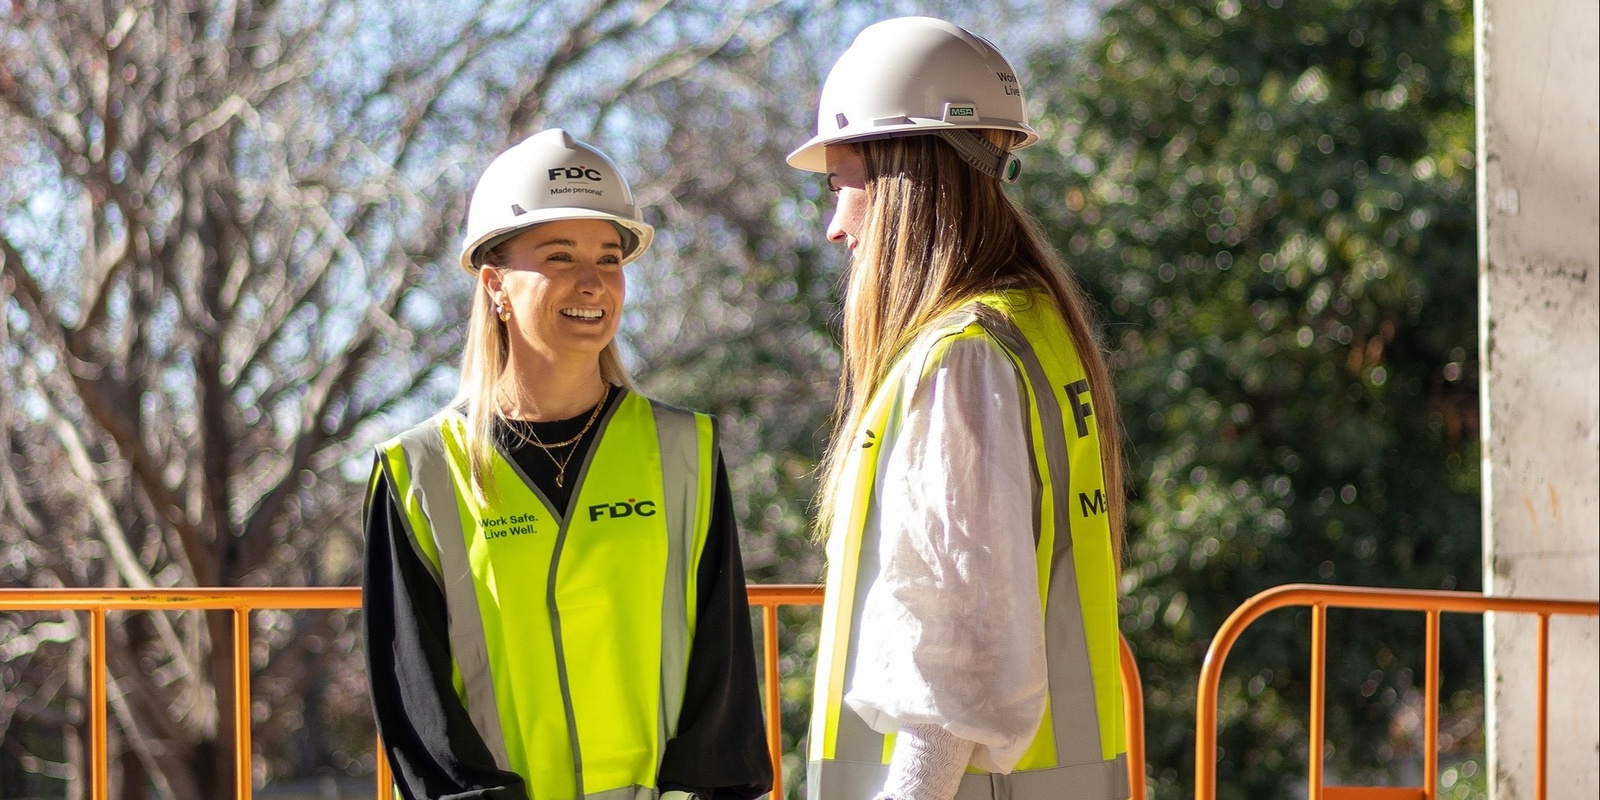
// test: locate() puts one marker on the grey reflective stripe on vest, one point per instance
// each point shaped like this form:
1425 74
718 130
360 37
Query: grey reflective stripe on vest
851 779
679 441
405 520
1066 645
625 793
436 493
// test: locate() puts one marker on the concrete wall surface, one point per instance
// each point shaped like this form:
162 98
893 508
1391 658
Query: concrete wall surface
1539 296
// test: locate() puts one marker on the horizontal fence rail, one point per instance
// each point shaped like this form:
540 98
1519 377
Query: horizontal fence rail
241 601
1319 598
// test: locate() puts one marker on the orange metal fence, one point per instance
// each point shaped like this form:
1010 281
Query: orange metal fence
1320 598
241 601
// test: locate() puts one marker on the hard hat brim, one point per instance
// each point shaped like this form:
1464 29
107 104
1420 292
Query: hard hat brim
642 232
810 156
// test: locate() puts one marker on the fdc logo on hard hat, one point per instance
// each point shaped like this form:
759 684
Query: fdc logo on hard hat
575 173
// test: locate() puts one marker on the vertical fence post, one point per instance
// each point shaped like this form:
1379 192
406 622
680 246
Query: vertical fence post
385 779
1319 688
769 644
1541 742
98 746
243 783
1430 713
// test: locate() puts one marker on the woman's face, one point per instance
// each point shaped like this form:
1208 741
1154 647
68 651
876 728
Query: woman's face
847 179
564 285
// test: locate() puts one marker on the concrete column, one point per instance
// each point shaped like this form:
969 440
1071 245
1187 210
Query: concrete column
1539 296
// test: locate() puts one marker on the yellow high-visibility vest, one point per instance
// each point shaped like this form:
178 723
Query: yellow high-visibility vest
569 637
1080 749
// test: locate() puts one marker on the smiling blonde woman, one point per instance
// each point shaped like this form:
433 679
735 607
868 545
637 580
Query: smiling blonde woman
554 599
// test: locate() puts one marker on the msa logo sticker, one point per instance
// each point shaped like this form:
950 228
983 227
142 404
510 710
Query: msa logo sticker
626 508
962 111
575 174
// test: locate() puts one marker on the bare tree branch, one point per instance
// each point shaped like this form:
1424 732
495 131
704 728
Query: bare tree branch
249 279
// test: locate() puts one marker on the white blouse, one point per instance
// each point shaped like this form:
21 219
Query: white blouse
952 631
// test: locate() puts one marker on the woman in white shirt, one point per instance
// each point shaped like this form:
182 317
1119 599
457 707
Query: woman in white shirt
973 493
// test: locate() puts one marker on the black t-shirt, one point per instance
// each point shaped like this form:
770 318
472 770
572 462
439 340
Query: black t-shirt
543 465
719 751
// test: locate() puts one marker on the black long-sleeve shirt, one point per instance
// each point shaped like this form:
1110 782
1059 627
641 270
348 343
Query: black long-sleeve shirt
718 752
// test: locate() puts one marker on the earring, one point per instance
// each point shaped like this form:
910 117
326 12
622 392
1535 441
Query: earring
502 311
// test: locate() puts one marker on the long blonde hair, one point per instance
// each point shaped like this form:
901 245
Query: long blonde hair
483 359
937 234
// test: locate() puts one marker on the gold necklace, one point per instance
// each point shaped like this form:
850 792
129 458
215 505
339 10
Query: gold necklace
561 464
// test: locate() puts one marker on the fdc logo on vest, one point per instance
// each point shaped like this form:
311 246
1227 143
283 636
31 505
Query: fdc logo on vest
626 508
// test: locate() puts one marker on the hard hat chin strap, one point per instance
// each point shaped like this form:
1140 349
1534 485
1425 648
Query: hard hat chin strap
983 154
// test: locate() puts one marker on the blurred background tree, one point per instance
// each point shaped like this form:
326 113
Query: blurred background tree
1274 205
228 251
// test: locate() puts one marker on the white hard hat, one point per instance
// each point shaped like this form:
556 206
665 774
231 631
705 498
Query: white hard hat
915 75
551 176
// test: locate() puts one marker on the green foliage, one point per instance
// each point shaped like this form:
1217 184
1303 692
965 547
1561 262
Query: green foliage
1274 207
